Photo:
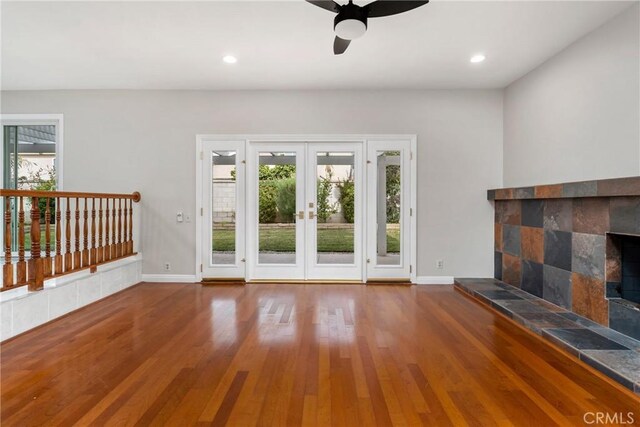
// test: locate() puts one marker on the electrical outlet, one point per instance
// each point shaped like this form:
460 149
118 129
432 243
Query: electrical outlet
167 266
179 217
440 264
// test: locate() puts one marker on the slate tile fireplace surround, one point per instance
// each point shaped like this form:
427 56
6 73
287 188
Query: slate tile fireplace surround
576 245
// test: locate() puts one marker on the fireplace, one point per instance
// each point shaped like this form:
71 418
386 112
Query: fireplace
630 268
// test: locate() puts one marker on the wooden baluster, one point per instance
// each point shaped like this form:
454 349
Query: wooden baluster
36 270
85 236
77 255
130 226
100 247
107 246
68 257
93 232
47 239
7 269
58 258
114 230
21 265
125 241
119 244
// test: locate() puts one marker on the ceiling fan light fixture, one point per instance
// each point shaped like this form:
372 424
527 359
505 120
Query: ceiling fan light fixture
351 22
350 29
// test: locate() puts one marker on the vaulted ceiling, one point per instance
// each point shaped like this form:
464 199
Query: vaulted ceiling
282 44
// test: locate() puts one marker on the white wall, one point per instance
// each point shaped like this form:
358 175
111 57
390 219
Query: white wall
577 116
120 141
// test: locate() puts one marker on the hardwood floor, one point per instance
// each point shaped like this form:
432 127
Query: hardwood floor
289 355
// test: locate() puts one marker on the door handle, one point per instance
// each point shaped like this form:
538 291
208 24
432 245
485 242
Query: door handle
301 215
311 215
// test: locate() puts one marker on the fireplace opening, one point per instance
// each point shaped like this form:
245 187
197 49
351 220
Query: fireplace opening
630 268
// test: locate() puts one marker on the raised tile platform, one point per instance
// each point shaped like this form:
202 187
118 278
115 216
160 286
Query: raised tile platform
612 353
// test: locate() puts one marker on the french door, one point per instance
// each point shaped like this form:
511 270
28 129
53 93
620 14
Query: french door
304 207
293 211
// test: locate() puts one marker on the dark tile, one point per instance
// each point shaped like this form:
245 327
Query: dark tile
588 298
613 290
491 194
556 286
497 236
511 268
612 371
619 187
588 252
548 305
580 189
531 278
585 339
618 337
625 318
504 194
624 362
557 249
548 191
498 295
508 212
545 320
520 306
625 215
532 244
511 239
524 193
582 321
532 213
591 215
558 215
497 265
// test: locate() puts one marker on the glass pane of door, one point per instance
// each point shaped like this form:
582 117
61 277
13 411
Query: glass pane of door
388 209
335 205
223 204
277 196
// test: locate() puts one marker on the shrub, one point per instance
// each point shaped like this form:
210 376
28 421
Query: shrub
325 208
347 199
286 200
267 195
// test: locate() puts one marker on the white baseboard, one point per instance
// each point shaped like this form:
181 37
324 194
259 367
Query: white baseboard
433 280
178 278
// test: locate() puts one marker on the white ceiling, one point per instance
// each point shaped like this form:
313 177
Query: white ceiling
282 45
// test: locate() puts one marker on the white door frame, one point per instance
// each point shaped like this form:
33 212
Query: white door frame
238 268
335 138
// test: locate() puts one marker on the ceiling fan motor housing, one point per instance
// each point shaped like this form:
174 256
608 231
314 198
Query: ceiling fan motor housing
351 22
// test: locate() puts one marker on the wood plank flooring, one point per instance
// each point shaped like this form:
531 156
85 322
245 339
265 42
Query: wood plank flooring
295 355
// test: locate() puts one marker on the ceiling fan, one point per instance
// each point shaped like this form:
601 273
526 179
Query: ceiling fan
351 19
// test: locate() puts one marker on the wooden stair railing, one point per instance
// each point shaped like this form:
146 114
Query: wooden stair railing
114 240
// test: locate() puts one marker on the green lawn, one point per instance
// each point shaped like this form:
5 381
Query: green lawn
43 235
283 240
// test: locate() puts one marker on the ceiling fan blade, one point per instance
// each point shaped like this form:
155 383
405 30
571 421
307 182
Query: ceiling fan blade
326 4
340 45
381 8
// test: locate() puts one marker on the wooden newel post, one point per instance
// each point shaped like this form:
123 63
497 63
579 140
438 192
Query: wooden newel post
36 269
7 269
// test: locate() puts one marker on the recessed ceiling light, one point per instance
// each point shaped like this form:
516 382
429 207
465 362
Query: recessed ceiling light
477 58
230 59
